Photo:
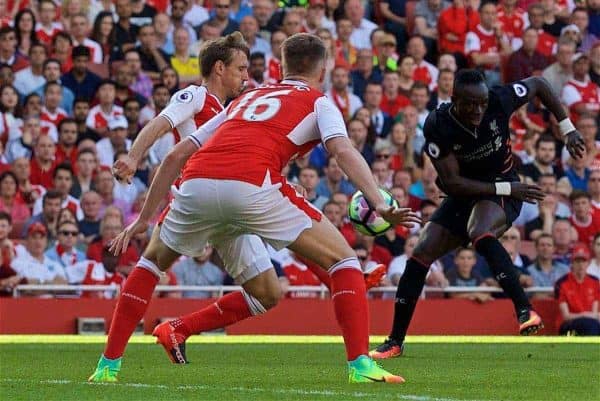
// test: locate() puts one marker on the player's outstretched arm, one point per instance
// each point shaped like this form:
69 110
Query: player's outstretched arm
453 184
355 167
539 86
167 172
125 168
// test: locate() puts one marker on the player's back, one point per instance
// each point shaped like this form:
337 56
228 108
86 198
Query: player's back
263 130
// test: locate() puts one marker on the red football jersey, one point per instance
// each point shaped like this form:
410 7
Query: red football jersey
575 93
98 119
578 296
53 118
546 43
267 126
46 35
587 232
481 41
189 109
512 24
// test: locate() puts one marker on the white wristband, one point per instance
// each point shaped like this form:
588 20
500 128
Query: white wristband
502 188
566 126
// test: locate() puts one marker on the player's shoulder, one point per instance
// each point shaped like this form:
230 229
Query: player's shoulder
190 94
437 122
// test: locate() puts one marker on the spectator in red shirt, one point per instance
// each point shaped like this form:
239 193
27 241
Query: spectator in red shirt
584 220
546 43
393 100
486 44
10 201
512 21
526 61
110 227
424 71
43 162
51 110
67 138
578 295
453 25
335 212
8 251
580 94
8 50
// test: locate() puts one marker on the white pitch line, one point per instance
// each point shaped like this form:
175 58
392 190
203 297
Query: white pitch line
290 391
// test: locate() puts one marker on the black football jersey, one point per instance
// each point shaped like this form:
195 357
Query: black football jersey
484 154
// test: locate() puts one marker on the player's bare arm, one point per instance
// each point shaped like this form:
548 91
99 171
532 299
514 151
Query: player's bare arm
355 167
167 172
453 184
125 167
539 86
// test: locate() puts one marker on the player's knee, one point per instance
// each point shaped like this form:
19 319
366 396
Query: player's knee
476 232
269 297
423 252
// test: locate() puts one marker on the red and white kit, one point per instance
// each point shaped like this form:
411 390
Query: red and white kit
189 109
233 186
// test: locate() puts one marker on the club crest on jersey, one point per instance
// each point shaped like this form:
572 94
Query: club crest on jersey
185 97
520 89
494 128
433 150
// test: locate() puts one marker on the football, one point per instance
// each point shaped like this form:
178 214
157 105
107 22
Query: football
364 218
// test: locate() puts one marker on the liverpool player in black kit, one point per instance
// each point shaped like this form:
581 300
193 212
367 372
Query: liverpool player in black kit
468 142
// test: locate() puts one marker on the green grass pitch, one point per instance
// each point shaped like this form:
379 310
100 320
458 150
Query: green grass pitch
304 368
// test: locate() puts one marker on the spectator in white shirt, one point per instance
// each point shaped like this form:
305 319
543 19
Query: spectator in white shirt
116 141
80 27
361 27
29 79
34 266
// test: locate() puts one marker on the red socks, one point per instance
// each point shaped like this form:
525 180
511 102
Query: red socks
321 274
228 309
131 307
349 298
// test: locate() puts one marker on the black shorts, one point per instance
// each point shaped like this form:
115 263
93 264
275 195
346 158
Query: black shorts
454 213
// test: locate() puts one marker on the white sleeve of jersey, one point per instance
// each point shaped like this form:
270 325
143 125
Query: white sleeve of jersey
329 119
184 104
570 95
203 134
472 43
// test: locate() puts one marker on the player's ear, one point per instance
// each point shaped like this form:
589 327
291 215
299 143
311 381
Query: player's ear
219 67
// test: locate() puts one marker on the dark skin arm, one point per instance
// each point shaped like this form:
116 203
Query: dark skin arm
539 86
455 185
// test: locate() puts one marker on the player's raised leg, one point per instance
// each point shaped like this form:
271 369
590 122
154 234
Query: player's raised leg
324 245
487 222
132 305
434 242
247 260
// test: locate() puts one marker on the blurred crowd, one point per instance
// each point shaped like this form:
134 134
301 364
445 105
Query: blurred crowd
80 78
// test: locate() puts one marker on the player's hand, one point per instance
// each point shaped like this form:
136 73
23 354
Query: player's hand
526 192
575 144
124 169
121 242
398 216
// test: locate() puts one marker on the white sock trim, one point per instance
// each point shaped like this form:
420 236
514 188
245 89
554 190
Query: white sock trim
348 263
150 266
254 304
